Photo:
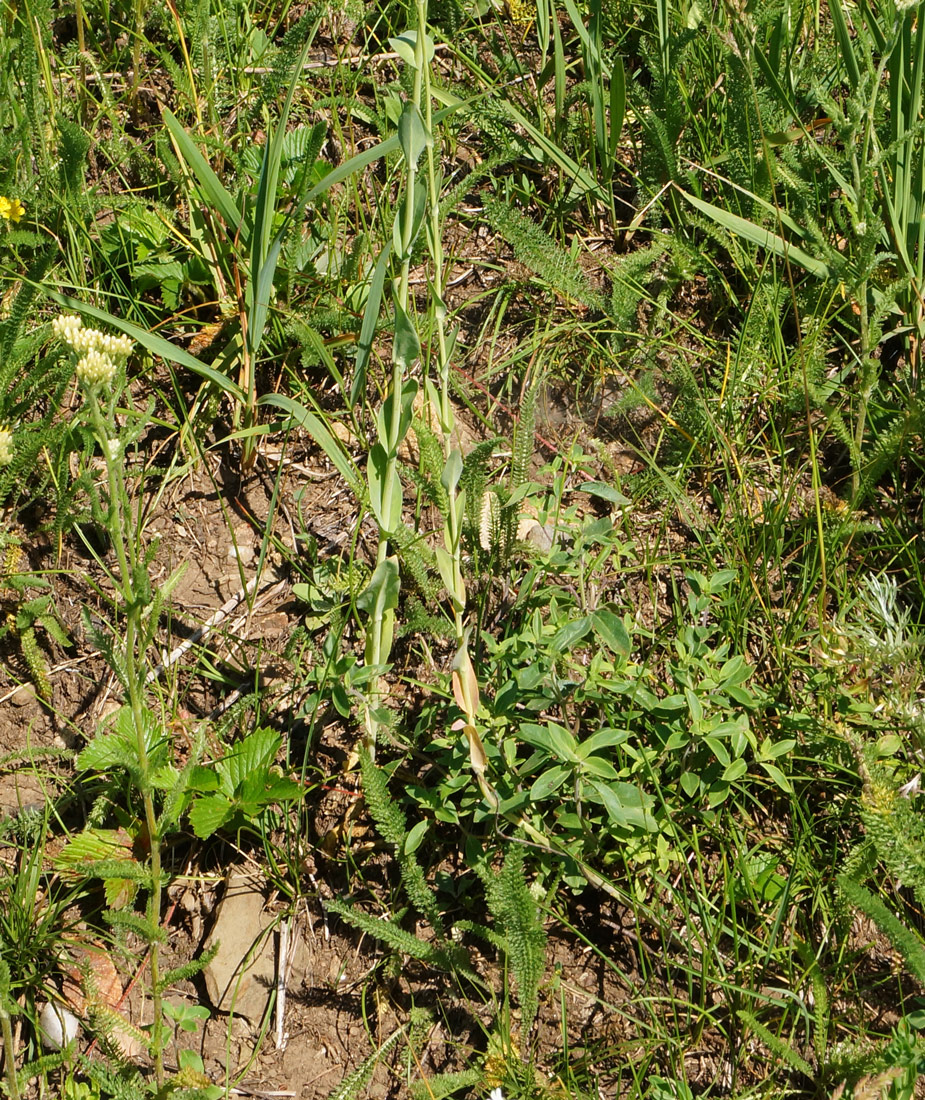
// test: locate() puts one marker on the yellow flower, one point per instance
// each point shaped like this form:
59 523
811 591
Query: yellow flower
521 12
11 209
6 445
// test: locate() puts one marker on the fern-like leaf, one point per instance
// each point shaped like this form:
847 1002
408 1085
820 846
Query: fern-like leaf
538 251
352 1085
390 821
515 909
901 937
777 1045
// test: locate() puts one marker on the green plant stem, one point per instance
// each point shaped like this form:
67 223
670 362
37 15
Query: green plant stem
136 49
127 559
6 1030
860 167
378 626
453 531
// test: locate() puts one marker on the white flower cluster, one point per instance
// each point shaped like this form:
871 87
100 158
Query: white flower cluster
905 5
100 354
6 446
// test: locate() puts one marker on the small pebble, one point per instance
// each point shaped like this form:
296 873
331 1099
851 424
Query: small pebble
57 1026
23 696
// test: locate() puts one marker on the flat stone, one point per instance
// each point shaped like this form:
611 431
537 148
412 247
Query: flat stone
242 975
24 696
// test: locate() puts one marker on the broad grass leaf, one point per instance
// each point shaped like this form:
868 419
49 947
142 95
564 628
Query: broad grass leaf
381 594
318 430
209 183
406 346
764 238
412 133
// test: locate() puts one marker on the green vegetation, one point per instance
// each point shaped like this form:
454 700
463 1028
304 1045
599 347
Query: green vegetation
556 368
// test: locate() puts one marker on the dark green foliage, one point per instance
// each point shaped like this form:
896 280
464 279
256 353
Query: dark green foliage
430 465
900 935
514 908
390 822
629 276
73 148
127 921
896 828
540 253
473 482
283 61
351 1088
448 15
419 619
116 1082
525 426
389 932
188 970
32 386
442 1085
418 564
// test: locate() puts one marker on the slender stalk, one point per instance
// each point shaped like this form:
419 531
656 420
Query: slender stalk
6 1031
126 555
379 631
139 8
453 523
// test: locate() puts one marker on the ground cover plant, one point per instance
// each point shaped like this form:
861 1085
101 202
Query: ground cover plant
461 486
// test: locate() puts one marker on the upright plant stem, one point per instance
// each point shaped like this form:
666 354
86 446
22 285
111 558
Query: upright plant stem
453 526
120 510
9 1059
379 631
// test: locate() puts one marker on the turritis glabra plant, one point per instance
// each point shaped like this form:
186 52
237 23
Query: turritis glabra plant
419 209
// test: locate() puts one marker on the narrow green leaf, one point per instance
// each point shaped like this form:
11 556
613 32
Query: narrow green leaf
582 181
764 238
406 347
211 186
412 133
385 497
318 430
370 323
845 42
